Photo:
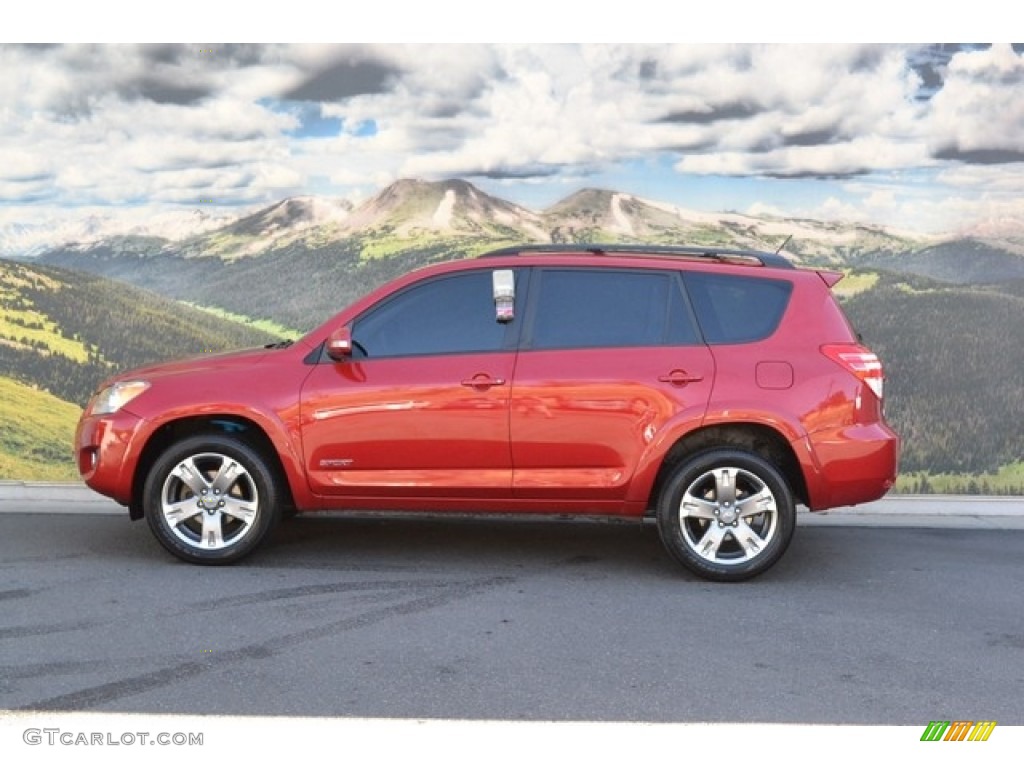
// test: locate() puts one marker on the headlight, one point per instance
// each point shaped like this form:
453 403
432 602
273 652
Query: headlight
117 395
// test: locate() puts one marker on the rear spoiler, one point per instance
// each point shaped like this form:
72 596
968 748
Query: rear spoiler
830 277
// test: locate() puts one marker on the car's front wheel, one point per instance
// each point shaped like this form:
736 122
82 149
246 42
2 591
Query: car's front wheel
211 499
726 514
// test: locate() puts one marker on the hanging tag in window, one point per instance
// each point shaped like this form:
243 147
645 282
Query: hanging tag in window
504 295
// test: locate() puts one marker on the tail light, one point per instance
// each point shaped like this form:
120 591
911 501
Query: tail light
860 361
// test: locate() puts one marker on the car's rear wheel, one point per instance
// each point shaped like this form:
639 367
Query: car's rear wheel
727 514
211 499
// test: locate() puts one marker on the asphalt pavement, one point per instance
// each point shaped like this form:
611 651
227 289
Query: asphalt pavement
895 612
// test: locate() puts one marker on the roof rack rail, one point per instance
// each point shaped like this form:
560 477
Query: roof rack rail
728 255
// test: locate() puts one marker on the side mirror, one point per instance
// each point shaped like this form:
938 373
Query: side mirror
504 281
339 344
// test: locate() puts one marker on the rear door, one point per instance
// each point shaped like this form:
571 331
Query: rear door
608 357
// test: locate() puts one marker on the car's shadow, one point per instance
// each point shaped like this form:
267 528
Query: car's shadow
437 542
502 543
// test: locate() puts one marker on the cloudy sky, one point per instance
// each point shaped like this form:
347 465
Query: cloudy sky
922 137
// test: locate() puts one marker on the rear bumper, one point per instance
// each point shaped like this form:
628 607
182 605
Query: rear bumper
849 465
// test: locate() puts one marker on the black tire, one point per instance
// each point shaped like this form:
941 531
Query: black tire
726 514
211 499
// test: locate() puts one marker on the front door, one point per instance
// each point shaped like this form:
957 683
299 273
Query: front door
422 408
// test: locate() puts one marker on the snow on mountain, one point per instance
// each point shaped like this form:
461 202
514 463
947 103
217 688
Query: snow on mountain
22 238
1007 231
622 221
291 215
442 218
307 219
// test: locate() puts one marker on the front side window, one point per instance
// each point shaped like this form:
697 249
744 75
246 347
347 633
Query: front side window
447 315
580 308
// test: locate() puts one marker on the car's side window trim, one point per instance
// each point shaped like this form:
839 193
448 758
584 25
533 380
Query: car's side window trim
689 310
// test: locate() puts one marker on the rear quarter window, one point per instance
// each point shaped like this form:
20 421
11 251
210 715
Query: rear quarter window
734 309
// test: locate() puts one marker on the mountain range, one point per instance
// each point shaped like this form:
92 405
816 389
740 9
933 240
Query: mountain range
410 209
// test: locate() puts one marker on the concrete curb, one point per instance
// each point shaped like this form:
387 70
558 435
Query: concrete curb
983 512
17 496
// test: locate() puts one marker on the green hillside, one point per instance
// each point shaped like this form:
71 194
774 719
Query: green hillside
64 331
36 439
960 261
954 357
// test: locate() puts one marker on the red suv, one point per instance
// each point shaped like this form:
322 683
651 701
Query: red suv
713 389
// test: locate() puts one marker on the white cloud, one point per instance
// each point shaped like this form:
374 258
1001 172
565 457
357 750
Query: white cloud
981 105
765 209
83 125
912 207
18 165
992 180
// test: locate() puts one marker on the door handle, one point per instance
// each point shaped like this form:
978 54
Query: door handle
678 378
482 381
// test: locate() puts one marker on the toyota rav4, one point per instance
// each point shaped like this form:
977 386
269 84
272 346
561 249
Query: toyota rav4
711 389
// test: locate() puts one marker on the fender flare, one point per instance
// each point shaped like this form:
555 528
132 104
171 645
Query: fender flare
284 437
789 430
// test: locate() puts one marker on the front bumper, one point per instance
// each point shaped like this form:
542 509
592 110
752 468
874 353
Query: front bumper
107 450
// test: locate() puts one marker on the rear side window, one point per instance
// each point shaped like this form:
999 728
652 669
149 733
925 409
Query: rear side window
733 309
580 308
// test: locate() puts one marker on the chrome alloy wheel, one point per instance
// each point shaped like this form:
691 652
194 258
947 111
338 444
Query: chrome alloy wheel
728 515
209 501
